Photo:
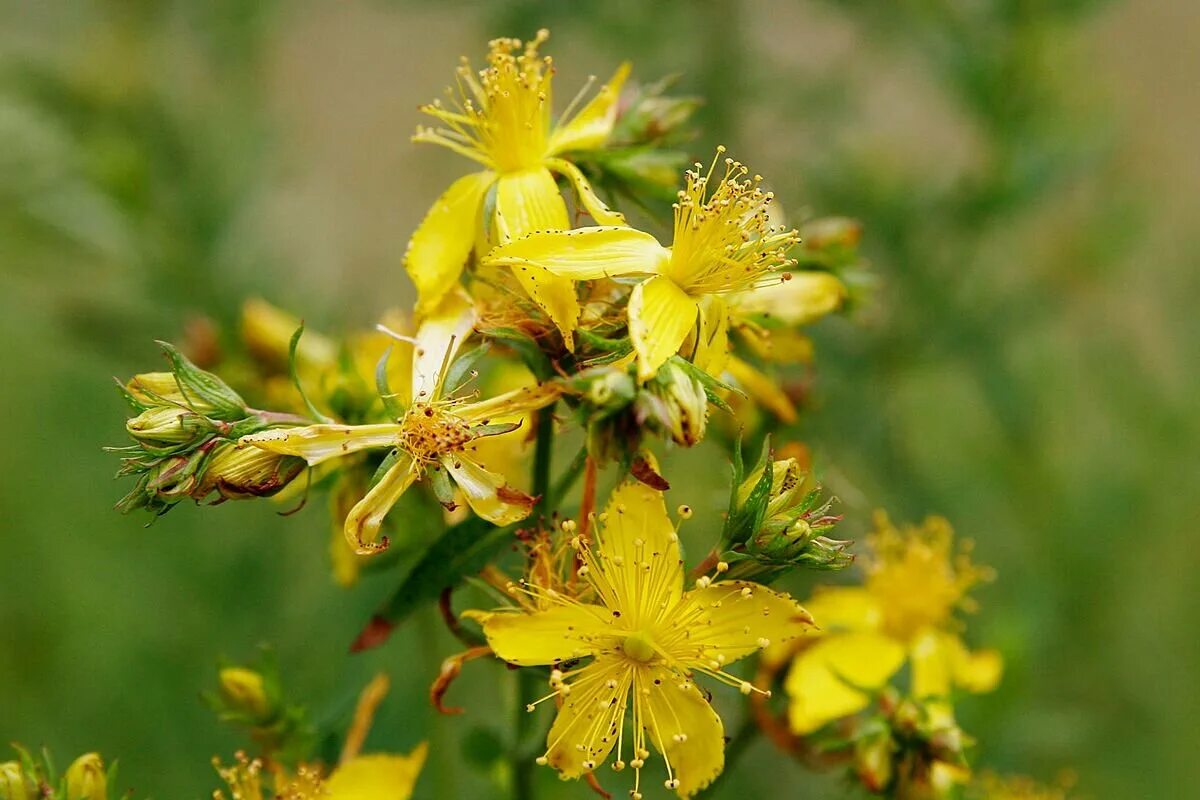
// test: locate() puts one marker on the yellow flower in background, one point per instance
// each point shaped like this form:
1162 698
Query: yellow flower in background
501 118
646 638
724 243
434 434
904 613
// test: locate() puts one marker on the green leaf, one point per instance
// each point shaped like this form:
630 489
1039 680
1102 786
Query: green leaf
461 370
295 376
528 349
390 401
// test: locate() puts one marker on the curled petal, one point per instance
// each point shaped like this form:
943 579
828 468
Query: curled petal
488 493
583 190
318 443
364 520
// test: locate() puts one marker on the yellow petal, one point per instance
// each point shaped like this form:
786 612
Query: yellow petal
845 608
590 718
376 777
488 493
940 661
515 402
317 443
439 247
527 202
762 389
441 334
583 190
683 727
546 637
805 298
979 671
584 253
637 532
364 520
711 351
732 623
660 317
591 127
822 680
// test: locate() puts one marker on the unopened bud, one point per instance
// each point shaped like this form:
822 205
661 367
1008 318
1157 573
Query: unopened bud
682 407
237 472
86 779
244 691
13 783
873 761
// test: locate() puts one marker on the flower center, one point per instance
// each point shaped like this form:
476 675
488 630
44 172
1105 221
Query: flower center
428 432
639 647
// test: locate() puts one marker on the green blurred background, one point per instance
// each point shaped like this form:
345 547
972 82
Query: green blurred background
1028 178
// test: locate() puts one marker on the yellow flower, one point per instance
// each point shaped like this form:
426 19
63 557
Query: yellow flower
915 582
646 638
501 118
86 779
724 243
435 433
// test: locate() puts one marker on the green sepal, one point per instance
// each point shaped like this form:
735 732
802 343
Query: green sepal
461 370
391 401
226 404
294 374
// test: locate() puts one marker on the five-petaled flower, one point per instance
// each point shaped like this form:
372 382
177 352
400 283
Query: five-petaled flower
903 613
724 243
645 639
435 433
501 118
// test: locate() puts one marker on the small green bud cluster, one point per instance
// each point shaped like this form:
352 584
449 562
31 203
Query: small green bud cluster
186 425
777 521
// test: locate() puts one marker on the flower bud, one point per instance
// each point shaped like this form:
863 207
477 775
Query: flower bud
168 425
237 472
873 756
14 785
244 691
676 401
86 779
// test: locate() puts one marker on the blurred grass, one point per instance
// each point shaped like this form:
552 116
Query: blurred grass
1025 174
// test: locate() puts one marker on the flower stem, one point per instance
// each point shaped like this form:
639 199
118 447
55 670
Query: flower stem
522 763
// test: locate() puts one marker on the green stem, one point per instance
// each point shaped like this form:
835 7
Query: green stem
527 680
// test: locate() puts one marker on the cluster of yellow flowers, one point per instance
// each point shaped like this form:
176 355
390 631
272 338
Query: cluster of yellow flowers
522 313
